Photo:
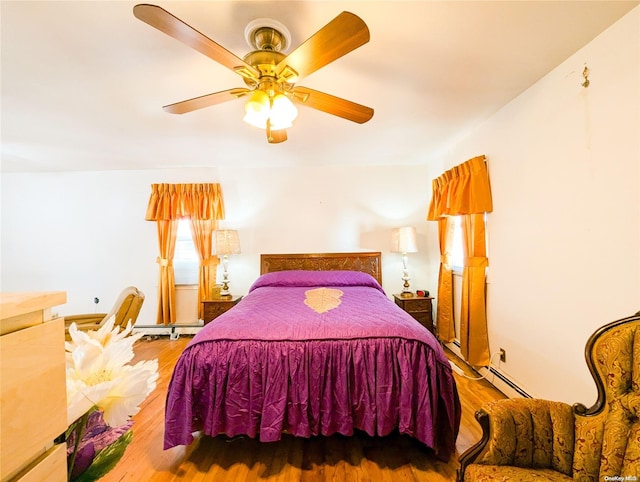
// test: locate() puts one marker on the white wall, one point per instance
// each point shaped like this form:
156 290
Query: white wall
564 237
85 233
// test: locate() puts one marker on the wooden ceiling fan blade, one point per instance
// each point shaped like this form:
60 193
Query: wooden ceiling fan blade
205 101
332 105
343 34
162 20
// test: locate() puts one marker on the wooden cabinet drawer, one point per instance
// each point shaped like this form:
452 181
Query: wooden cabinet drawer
214 308
33 393
419 307
424 318
52 467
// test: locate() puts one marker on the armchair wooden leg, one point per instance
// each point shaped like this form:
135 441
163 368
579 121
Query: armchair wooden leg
470 455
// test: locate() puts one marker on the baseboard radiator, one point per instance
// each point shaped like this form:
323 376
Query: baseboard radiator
186 314
493 376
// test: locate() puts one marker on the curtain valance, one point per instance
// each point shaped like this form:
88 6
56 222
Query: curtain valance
464 189
175 201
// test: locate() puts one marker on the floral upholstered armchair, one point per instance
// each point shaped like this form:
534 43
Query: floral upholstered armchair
529 439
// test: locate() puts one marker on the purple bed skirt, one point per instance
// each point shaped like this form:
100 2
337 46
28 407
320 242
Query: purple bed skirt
414 393
315 386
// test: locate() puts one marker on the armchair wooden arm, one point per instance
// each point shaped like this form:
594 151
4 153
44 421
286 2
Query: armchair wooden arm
84 319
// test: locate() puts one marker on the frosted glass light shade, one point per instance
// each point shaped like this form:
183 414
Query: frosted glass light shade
283 112
257 109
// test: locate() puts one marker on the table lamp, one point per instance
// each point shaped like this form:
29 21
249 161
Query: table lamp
227 242
403 240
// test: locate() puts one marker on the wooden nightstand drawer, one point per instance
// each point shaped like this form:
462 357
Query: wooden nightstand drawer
214 308
417 306
424 318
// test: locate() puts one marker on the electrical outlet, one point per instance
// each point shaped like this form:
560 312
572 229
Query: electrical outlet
96 300
503 355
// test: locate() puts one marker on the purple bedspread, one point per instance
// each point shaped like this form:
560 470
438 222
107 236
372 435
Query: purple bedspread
272 364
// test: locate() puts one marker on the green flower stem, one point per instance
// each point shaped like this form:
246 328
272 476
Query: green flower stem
81 424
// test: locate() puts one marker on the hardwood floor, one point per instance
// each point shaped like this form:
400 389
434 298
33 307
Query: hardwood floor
359 458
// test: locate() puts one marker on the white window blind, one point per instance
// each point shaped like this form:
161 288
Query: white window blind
185 259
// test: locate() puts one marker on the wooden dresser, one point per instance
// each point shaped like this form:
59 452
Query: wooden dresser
33 396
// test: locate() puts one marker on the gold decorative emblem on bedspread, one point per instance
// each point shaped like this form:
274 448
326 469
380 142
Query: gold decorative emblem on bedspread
321 300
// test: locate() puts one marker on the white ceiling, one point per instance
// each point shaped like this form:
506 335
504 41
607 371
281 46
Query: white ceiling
83 82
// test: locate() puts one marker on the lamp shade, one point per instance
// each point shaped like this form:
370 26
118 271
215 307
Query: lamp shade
257 109
227 242
403 240
283 112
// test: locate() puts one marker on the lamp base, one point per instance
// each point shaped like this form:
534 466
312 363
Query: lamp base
406 294
224 291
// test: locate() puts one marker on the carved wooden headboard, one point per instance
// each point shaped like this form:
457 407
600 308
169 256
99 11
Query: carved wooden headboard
368 262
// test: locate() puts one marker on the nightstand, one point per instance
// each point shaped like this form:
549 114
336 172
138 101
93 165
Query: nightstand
214 308
417 306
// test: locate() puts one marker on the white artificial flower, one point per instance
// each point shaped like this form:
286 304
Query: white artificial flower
133 385
98 374
104 336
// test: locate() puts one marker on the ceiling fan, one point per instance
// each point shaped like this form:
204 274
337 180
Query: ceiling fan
269 74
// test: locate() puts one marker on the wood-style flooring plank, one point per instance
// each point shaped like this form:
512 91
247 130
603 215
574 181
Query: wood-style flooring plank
395 458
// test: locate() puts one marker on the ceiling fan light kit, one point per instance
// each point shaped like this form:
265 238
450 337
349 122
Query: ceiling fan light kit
269 74
278 110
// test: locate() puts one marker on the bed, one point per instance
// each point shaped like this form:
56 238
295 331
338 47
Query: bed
314 348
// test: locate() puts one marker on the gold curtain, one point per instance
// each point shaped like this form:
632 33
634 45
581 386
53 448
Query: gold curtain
167 204
474 340
202 233
465 191
167 234
176 201
444 315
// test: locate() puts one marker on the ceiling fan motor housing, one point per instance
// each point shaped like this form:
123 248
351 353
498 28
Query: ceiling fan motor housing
269 38
265 61
266 38
267 34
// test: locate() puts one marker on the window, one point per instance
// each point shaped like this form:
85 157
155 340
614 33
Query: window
457 251
186 261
